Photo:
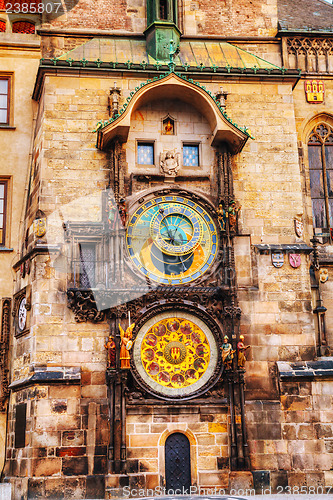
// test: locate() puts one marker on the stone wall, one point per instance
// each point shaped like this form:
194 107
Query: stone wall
66 432
201 17
21 64
207 428
307 115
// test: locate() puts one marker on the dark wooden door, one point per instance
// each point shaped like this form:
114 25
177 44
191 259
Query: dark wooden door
177 463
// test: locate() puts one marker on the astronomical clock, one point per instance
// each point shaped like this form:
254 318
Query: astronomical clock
172 240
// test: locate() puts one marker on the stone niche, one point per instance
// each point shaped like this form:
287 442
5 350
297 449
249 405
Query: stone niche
191 128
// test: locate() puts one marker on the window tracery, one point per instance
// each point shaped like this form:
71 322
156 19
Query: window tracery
320 152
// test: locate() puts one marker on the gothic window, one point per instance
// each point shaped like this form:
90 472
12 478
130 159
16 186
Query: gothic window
191 155
320 151
87 265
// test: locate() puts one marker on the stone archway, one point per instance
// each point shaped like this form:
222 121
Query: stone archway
180 428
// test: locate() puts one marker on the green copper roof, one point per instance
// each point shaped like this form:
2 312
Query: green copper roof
198 54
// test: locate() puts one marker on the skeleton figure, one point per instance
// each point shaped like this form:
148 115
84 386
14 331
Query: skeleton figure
170 162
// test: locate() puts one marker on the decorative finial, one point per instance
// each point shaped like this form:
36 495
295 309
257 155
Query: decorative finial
222 97
172 53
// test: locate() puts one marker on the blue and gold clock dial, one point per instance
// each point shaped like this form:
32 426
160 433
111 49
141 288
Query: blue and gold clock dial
172 240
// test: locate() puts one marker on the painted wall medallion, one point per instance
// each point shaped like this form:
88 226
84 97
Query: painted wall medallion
278 259
299 227
323 274
22 315
172 240
175 353
314 91
295 260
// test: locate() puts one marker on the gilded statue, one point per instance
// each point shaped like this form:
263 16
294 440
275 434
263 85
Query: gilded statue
227 353
222 216
112 211
125 346
241 349
233 210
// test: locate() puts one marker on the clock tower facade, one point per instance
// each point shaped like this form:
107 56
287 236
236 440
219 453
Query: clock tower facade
162 314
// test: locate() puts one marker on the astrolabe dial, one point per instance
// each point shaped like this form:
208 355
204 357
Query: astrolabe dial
172 240
175 355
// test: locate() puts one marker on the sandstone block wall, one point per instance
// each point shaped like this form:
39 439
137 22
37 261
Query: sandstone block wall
201 17
207 429
307 116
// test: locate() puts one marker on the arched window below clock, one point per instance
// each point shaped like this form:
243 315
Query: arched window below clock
320 154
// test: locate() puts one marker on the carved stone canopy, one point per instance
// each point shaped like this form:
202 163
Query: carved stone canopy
174 87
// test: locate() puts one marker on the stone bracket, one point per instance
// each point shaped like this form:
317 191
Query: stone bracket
41 375
322 368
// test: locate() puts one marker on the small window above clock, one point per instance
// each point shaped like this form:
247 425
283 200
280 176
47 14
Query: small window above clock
191 155
145 153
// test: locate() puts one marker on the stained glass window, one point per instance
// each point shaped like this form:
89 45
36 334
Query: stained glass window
190 155
145 153
320 152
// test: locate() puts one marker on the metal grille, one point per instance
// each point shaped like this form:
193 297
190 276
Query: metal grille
177 462
87 265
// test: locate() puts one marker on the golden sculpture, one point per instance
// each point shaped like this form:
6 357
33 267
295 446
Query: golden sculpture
227 353
233 216
125 346
222 216
241 348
